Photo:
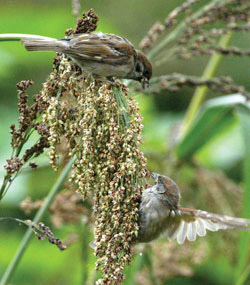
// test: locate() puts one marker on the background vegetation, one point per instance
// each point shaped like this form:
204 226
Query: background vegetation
209 165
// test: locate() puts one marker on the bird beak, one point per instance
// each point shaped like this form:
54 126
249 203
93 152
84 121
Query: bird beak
155 176
144 82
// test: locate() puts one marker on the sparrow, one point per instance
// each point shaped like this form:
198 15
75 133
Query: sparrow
161 214
101 54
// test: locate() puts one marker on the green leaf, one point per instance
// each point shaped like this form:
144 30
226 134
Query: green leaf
242 268
215 117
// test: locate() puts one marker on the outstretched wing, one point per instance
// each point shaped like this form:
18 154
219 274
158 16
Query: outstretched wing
108 48
189 223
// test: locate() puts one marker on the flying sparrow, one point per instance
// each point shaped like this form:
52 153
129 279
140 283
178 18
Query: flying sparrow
103 55
161 213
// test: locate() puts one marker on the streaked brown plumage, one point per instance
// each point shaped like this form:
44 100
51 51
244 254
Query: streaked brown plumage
101 54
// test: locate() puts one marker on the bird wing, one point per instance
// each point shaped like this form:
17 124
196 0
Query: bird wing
100 47
190 223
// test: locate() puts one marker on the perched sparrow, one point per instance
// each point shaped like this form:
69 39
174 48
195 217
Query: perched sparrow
103 55
160 213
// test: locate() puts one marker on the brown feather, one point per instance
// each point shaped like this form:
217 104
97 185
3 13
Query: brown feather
107 48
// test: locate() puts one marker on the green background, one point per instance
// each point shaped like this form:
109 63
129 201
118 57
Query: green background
43 263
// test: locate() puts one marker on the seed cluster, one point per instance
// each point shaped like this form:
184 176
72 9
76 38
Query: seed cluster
13 165
175 81
194 29
157 29
25 113
86 24
42 232
196 34
102 129
118 171
28 123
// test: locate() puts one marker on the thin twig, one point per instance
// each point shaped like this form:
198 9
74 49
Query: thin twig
173 82
18 37
179 29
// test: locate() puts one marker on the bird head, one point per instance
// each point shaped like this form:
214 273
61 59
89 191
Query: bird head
166 185
143 69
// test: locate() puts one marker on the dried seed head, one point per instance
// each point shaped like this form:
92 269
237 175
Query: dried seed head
102 128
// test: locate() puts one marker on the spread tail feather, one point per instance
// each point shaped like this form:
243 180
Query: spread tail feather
43 45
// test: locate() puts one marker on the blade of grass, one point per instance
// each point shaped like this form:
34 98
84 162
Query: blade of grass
200 92
216 116
27 237
243 245
212 123
243 277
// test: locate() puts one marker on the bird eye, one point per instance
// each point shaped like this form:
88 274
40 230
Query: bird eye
146 73
138 67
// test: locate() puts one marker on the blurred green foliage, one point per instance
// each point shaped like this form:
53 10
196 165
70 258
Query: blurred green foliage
43 263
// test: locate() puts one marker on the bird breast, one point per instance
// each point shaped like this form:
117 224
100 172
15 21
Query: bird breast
153 216
105 69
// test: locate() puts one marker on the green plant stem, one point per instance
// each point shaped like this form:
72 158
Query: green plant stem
18 37
26 239
242 268
2 189
200 92
243 276
8 178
